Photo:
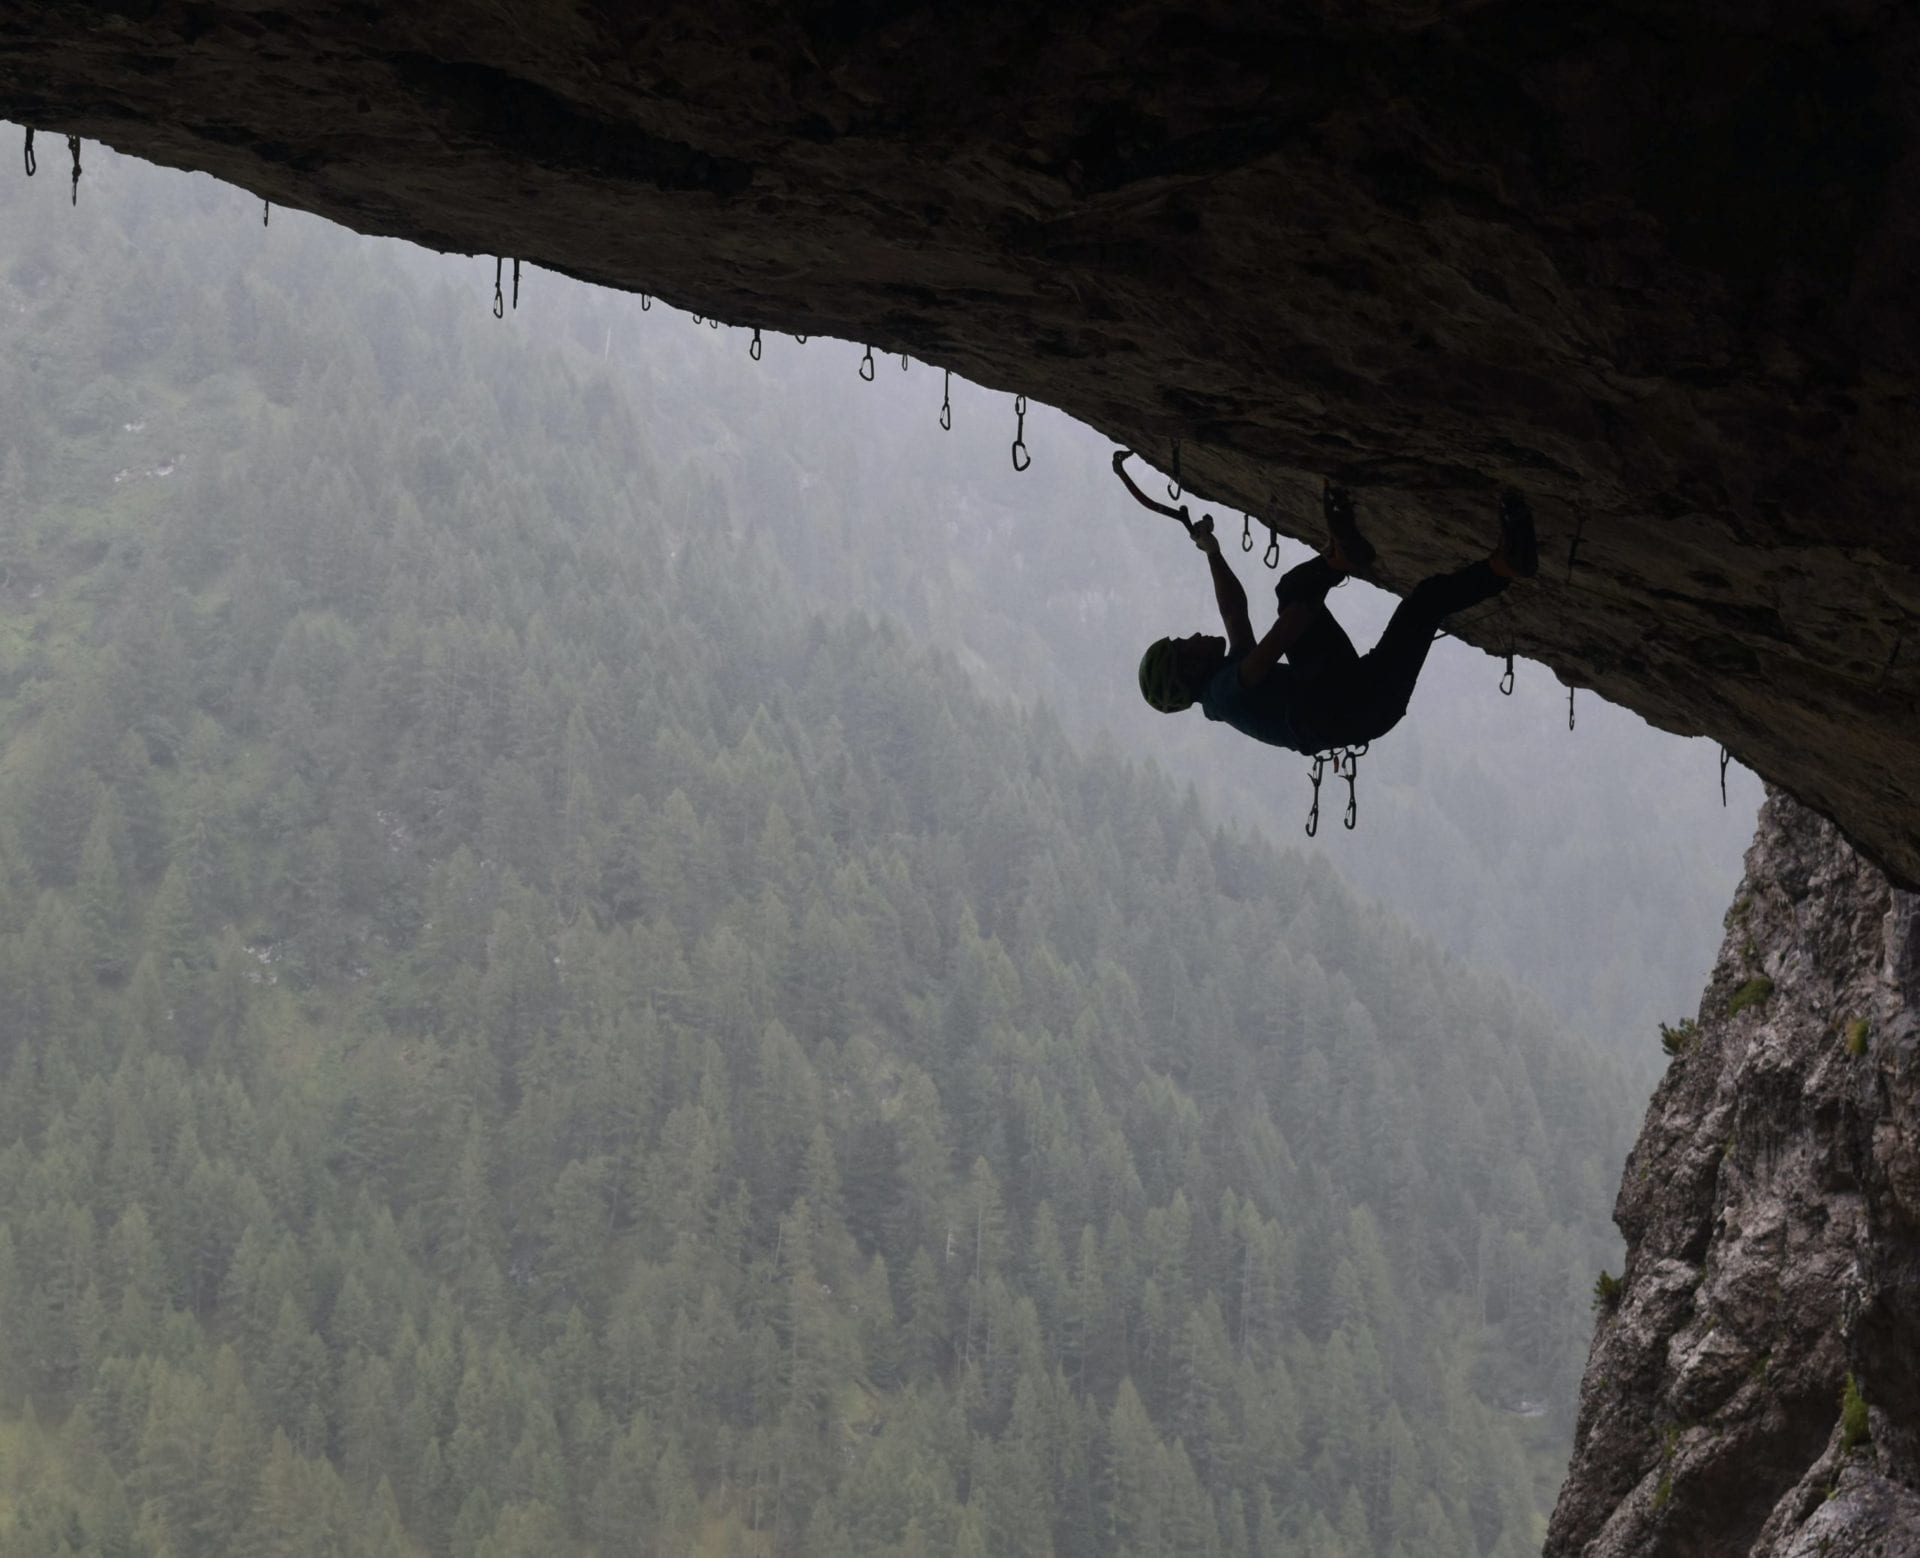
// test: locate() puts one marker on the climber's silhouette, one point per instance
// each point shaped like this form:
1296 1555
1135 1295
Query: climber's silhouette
1326 696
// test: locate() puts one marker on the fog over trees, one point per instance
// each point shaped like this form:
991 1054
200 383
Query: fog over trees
597 957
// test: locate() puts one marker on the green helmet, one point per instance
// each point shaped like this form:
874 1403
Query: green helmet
1160 682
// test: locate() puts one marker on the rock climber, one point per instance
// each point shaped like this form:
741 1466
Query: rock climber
1326 696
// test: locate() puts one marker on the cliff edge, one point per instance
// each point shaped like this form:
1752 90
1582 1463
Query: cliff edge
1754 1382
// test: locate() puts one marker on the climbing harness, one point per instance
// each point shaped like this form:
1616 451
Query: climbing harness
1246 532
946 403
516 284
73 145
866 366
1506 681
1021 459
1345 763
1173 487
753 347
33 163
1725 757
499 297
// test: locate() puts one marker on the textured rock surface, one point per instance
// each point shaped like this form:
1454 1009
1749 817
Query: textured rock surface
1656 265
1772 1212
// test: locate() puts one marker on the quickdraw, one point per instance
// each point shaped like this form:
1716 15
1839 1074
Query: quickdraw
1173 487
499 297
646 302
753 346
946 403
1345 763
1246 532
1506 681
1725 758
266 212
1569 708
516 284
73 145
1120 458
866 366
1021 459
33 162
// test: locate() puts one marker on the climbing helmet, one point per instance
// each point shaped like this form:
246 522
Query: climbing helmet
1160 682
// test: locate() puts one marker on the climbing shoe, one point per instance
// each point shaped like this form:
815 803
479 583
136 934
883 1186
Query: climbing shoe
1518 544
1342 529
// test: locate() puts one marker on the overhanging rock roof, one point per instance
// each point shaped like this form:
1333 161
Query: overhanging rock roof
1655 268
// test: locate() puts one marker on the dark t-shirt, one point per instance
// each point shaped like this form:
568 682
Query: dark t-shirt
1264 712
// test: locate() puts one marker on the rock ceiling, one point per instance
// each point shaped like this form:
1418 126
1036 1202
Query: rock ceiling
1656 266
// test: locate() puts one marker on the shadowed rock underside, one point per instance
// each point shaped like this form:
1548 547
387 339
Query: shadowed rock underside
1772 1214
1654 267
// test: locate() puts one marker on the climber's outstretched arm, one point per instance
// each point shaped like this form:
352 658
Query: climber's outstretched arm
1232 599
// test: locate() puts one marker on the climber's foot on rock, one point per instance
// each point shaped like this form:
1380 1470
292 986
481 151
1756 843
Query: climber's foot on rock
1347 549
1518 554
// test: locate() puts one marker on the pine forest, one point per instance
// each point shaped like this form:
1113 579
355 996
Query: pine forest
528 1031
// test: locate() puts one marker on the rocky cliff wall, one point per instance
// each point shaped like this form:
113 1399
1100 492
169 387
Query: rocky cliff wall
1772 1213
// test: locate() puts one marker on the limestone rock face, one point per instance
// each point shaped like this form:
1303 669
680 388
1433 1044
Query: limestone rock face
1654 265
1772 1212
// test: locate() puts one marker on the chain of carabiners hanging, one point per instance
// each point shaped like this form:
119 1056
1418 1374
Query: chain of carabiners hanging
1021 458
1345 764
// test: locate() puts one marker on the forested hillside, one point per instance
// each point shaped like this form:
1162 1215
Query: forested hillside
520 1037
1591 864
